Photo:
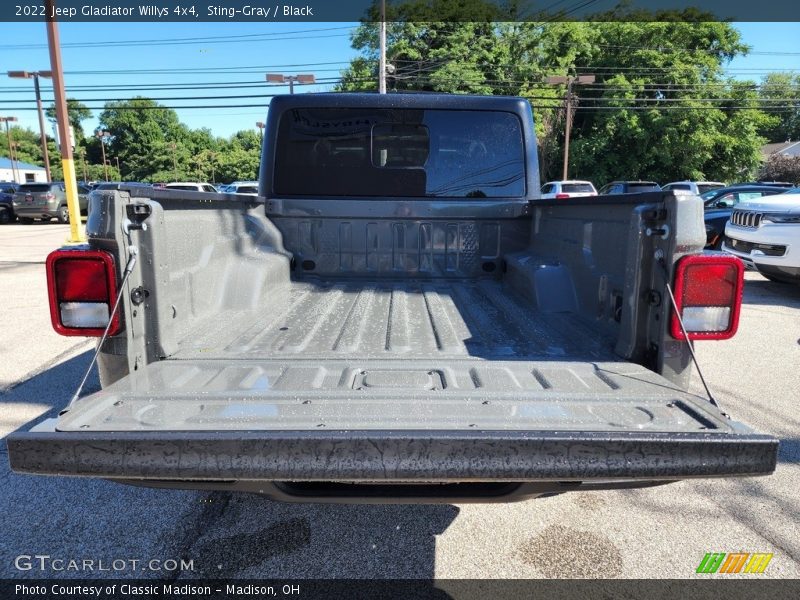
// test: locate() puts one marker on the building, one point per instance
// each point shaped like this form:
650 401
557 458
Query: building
785 148
21 172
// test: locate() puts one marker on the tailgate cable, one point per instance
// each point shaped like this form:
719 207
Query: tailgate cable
691 348
128 268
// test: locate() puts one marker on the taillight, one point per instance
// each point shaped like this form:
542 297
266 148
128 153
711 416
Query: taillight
708 292
561 196
49 196
82 285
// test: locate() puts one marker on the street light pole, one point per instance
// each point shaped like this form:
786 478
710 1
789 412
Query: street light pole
569 111
260 125
35 76
101 135
280 78
119 171
14 171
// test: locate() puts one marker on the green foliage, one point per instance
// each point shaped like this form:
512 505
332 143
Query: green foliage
77 112
661 107
781 89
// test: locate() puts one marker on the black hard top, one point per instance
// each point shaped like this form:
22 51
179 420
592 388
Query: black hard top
400 100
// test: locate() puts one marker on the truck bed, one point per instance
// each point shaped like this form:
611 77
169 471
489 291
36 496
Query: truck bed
482 319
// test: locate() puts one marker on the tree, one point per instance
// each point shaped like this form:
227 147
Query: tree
781 168
660 108
142 134
781 95
77 112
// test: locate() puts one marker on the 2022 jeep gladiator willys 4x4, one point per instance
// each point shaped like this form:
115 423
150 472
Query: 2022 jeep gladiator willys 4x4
397 316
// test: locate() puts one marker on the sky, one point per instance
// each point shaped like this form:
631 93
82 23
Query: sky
221 59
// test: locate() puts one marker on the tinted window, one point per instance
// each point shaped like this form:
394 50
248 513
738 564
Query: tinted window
208 188
704 187
546 189
616 188
247 189
638 188
35 187
576 187
385 152
190 188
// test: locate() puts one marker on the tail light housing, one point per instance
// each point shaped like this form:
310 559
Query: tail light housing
708 292
82 286
49 196
561 196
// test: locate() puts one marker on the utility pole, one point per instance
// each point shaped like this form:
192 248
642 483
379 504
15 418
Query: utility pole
382 60
174 159
62 115
303 78
119 171
11 147
35 76
102 135
260 125
568 104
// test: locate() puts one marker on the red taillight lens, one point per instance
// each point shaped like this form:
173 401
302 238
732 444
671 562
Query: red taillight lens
82 285
708 292
561 196
49 196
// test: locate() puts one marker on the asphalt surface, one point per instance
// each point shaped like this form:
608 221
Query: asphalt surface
659 532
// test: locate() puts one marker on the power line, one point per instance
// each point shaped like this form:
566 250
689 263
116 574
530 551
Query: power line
253 37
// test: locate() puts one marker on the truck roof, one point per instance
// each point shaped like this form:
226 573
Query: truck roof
401 100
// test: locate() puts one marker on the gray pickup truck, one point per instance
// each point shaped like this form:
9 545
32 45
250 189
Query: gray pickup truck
397 316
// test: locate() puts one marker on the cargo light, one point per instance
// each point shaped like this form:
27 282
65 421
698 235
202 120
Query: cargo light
708 294
81 286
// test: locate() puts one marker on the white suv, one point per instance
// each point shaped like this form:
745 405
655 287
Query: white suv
568 189
765 234
692 187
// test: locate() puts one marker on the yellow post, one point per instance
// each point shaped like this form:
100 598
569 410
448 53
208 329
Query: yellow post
73 205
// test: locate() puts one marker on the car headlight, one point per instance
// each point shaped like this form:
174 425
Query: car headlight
787 217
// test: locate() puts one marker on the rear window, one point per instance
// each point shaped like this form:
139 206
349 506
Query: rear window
396 152
574 188
679 186
190 188
705 187
638 188
247 189
35 187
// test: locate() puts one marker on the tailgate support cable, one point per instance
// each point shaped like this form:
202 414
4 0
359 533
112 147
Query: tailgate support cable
691 347
128 268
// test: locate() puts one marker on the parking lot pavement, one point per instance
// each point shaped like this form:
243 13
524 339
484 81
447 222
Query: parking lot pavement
658 532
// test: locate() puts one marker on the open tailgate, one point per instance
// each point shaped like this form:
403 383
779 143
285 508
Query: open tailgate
392 421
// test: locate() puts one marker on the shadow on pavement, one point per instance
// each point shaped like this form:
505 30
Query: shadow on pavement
236 535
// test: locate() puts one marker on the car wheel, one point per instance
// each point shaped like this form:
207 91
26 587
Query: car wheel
26 220
5 216
63 215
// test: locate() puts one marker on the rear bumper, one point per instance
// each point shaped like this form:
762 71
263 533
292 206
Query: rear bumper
392 456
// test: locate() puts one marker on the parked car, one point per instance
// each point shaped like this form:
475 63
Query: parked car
7 191
765 234
248 188
719 203
698 188
46 201
629 187
568 189
191 186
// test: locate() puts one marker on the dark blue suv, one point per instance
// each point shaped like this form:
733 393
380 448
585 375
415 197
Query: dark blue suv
7 190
